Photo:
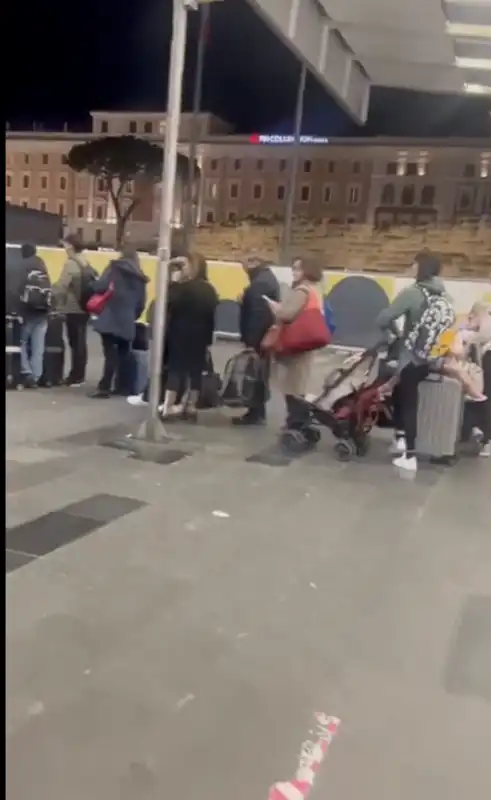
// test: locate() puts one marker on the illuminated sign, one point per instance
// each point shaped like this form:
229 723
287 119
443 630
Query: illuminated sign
262 138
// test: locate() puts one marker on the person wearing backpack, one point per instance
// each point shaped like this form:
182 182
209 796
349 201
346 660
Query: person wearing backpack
426 314
35 300
72 291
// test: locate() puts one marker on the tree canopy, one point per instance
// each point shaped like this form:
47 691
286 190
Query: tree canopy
117 160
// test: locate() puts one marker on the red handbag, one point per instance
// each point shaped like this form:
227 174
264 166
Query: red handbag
269 342
307 332
96 303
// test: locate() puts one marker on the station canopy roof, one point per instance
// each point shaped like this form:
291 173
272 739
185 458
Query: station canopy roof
350 45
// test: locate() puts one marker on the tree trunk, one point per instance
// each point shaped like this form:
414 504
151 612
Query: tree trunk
120 229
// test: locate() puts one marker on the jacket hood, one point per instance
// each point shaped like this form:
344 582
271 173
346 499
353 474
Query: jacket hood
32 263
131 269
434 285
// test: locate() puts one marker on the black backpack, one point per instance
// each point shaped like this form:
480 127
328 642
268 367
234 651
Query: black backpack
88 276
37 294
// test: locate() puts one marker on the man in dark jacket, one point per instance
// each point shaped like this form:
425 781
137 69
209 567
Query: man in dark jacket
32 270
255 320
125 283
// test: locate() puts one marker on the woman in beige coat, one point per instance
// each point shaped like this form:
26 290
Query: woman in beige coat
292 373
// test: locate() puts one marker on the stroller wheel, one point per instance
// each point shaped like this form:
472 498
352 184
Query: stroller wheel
344 451
312 435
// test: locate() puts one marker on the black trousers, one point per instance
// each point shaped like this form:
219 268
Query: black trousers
405 402
297 414
76 331
115 351
257 408
484 409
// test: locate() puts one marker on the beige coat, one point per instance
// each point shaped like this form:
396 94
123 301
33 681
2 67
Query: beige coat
68 286
292 373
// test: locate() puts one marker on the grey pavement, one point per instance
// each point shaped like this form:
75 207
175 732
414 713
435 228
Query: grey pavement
159 649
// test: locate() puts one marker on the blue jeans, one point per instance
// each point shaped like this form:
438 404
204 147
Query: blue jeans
32 336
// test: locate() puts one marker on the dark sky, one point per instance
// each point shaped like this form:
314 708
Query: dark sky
113 54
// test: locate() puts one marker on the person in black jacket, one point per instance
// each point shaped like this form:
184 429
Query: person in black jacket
255 320
192 303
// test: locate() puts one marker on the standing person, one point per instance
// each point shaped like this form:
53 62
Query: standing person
256 318
294 371
478 335
191 322
426 295
125 282
70 289
174 274
35 298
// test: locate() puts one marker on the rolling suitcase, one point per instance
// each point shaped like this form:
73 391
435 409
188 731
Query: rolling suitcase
13 376
54 352
440 413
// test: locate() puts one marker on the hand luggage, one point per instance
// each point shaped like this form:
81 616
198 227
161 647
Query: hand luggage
54 352
13 377
440 413
211 386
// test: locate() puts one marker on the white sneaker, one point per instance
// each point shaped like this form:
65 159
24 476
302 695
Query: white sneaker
136 400
485 451
398 446
477 434
403 462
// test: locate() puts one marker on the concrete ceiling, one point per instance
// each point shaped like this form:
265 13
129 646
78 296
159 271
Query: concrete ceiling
349 45
419 44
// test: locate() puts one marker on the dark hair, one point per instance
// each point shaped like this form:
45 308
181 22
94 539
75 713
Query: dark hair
27 250
74 241
312 269
428 265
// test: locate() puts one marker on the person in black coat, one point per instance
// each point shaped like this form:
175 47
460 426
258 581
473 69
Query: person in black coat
116 323
255 320
192 305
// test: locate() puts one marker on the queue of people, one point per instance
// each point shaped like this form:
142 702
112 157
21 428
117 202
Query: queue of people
120 297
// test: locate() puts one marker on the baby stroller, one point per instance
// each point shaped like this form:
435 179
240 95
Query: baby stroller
351 403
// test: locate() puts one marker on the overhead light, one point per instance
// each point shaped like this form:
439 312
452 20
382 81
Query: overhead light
477 88
464 29
473 63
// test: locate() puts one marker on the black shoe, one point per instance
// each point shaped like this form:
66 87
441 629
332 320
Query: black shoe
189 416
99 394
250 418
29 382
73 382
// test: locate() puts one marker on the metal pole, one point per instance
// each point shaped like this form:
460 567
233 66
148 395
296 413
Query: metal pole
153 427
190 218
292 181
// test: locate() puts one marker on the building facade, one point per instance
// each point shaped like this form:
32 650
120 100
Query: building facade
380 181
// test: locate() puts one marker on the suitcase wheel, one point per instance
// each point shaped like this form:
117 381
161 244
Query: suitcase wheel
344 451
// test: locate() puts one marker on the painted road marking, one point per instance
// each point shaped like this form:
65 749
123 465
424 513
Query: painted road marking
311 757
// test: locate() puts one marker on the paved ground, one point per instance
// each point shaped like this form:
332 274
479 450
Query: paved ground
166 651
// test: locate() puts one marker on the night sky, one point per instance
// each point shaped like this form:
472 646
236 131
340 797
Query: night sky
113 54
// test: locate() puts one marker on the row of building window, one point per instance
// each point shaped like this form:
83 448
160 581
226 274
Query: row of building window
353 194
413 168
132 127
307 165
62 182
45 159
467 199
100 211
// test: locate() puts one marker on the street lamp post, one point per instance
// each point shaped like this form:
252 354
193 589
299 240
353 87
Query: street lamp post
153 429
295 159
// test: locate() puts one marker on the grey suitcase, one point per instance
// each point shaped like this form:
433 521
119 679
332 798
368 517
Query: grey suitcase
440 412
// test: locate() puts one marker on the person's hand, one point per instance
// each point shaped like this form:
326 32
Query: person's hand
273 304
